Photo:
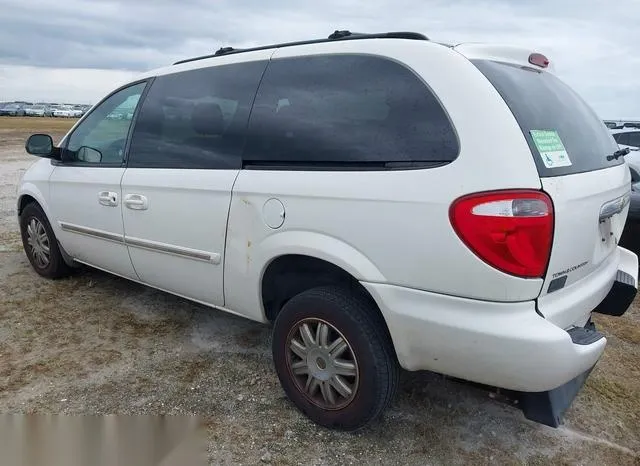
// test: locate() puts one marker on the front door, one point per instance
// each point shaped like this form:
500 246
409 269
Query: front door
85 186
184 158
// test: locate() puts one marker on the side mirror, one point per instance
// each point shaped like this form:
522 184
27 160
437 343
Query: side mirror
40 145
88 154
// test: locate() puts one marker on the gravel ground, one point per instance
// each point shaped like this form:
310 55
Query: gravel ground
98 344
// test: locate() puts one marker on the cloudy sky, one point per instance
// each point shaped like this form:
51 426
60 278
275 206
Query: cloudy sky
77 50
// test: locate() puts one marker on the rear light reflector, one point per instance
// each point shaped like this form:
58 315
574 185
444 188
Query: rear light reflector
510 230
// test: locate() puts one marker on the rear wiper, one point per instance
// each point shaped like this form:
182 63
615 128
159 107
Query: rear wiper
617 154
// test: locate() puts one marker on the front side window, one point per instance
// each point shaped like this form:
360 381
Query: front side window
101 137
347 111
196 119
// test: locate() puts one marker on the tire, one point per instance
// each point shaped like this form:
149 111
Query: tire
33 219
344 314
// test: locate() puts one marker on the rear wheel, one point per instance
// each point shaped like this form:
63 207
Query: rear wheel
334 358
40 244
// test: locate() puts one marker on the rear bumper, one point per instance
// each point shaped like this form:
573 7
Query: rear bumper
505 345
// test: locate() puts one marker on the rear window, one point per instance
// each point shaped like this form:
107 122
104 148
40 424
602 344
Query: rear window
546 108
355 111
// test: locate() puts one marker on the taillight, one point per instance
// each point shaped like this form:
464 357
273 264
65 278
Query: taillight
510 230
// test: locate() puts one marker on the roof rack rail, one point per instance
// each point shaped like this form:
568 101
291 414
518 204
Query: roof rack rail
335 36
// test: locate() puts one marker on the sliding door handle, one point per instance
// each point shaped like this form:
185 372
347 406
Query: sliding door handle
136 202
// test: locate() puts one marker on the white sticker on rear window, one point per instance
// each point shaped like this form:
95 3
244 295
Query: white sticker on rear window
551 148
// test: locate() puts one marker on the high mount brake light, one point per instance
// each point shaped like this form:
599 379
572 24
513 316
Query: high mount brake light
510 230
539 60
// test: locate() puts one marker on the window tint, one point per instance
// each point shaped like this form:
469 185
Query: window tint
346 110
541 101
634 139
101 136
196 119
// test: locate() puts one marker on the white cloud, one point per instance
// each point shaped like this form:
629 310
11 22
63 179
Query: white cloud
592 43
68 85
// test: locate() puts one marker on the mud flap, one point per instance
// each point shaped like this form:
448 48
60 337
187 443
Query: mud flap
548 407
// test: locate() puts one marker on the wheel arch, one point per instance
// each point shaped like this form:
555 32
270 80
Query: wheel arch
30 192
24 200
287 275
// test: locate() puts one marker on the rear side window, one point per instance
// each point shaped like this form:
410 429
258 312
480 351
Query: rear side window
541 102
196 119
347 111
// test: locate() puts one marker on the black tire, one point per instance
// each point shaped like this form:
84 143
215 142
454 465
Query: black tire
56 266
354 317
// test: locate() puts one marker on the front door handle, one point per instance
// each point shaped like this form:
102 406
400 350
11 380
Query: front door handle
108 198
136 202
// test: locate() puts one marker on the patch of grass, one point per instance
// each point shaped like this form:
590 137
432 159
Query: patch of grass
36 124
194 369
626 328
14 131
608 389
10 241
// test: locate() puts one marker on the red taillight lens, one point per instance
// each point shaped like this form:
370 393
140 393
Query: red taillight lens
510 230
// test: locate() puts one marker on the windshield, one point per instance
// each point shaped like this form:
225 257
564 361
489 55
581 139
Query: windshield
564 133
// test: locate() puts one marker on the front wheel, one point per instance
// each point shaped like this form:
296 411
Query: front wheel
334 358
40 243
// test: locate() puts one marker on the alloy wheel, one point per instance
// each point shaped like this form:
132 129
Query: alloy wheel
38 242
322 363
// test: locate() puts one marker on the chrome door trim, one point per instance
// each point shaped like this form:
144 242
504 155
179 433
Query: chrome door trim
94 233
180 251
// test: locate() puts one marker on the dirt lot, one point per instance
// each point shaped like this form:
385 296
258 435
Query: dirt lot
98 344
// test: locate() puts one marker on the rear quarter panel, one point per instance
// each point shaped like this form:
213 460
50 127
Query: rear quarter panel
389 226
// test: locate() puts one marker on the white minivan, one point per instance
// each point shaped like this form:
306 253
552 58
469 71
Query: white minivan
384 200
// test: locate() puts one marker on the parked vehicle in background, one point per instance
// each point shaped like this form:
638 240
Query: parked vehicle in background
630 238
79 110
354 213
629 138
66 112
12 109
619 124
35 110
